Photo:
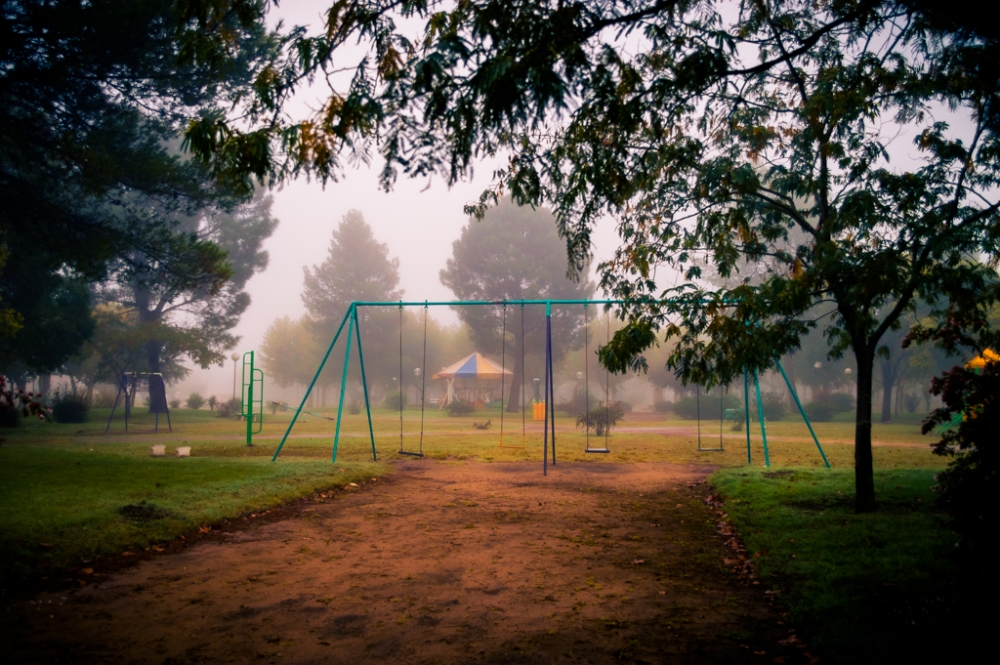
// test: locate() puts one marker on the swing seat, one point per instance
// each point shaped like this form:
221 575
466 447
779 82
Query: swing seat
411 454
603 451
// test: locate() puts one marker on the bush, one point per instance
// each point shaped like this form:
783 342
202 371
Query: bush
663 406
174 403
395 400
460 408
70 408
626 407
602 419
229 408
354 408
819 412
840 402
212 402
911 402
195 401
687 407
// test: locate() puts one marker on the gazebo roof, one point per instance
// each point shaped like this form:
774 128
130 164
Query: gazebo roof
474 366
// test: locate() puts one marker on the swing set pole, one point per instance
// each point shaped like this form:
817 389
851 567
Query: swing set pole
760 414
795 396
343 382
305 397
746 408
364 387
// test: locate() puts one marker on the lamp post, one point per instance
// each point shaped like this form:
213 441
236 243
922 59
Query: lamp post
538 397
235 357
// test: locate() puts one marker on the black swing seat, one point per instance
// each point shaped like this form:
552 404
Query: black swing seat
407 452
597 450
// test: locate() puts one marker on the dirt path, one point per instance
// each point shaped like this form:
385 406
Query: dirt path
436 563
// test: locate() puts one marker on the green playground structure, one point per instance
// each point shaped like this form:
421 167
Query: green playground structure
252 397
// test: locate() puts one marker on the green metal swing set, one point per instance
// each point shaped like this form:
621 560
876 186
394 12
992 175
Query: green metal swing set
350 321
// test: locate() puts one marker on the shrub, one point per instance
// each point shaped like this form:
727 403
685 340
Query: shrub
626 407
460 408
911 402
840 402
395 400
174 403
663 406
212 402
819 412
230 407
70 408
602 419
195 401
354 408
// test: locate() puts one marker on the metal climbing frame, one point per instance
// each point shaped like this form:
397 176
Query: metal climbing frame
351 322
252 397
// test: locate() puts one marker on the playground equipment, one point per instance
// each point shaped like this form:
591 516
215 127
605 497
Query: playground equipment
252 395
350 321
129 384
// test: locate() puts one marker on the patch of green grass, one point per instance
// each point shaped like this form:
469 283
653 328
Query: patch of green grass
862 588
62 503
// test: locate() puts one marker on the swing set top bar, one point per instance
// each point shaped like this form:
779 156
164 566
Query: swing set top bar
462 303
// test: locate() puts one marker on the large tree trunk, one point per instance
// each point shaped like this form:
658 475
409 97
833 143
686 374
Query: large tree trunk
888 368
45 385
864 478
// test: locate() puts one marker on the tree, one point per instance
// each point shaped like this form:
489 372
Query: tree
724 127
187 299
515 254
91 96
289 352
357 267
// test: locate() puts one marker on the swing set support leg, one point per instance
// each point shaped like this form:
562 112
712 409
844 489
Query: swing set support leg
548 410
364 387
795 396
305 397
746 409
760 414
353 313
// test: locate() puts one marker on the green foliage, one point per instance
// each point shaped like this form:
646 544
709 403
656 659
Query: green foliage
212 402
174 403
9 416
460 408
663 406
775 406
70 408
819 412
968 488
602 418
195 401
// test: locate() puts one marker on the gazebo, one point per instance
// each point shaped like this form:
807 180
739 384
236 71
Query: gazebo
475 379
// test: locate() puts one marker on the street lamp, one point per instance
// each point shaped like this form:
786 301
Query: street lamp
538 396
416 373
235 357
847 370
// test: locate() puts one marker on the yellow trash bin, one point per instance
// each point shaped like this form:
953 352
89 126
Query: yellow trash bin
539 411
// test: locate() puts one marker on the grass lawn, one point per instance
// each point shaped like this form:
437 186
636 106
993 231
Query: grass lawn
859 586
867 588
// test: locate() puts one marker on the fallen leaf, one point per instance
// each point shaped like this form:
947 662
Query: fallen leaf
87 571
204 529
760 653
157 548
638 561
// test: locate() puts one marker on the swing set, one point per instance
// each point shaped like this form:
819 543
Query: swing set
351 322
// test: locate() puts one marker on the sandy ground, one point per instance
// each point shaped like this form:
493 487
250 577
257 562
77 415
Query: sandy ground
436 563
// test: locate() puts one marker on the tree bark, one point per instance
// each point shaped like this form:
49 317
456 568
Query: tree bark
888 368
864 478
